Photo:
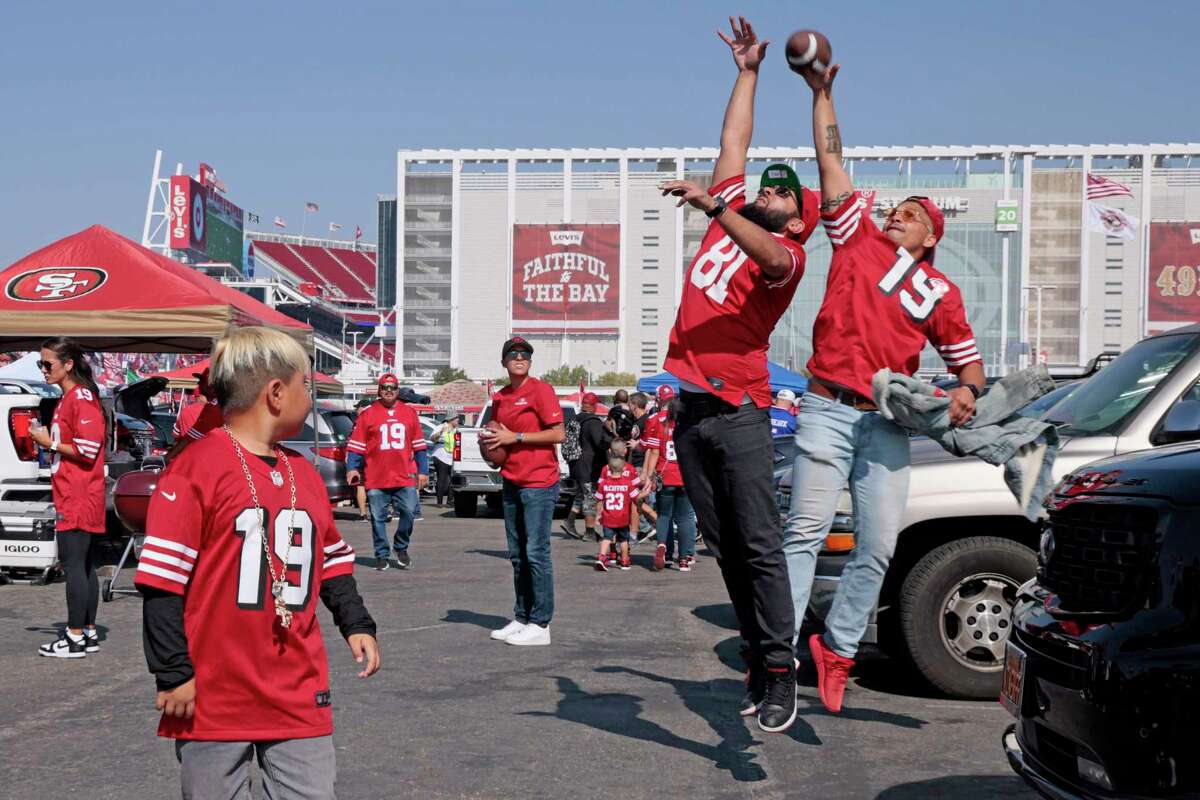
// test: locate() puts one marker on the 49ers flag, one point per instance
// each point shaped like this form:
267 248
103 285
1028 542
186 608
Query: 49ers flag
566 278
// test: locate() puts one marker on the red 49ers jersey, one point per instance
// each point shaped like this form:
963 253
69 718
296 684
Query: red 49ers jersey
198 418
727 311
661 438
388 438
78 489
614 496
255 679
881 306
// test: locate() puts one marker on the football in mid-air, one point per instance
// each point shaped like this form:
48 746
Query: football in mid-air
809 50
496 456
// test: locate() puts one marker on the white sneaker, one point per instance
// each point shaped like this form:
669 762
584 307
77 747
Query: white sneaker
508 630
531 636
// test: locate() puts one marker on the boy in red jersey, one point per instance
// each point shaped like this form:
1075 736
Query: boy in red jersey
239 542
617 492
196 418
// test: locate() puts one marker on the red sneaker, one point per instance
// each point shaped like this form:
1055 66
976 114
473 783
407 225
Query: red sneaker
685 564
660 557
626 563
602 562
832 672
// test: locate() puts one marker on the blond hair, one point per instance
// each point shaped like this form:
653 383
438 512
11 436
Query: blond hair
247 359
618 448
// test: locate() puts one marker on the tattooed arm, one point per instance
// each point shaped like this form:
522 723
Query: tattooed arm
827 139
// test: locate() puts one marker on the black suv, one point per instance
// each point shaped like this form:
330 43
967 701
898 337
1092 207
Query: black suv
1102 669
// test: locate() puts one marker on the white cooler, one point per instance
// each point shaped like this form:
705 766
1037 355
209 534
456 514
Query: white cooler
28 549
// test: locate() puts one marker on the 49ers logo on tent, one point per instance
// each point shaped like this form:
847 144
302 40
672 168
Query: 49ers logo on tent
50 284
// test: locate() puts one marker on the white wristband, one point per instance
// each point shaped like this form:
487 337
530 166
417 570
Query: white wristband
54 447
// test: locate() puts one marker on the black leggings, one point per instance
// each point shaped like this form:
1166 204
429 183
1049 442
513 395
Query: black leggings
75 551
442 487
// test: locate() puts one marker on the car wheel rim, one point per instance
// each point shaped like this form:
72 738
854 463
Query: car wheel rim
977 619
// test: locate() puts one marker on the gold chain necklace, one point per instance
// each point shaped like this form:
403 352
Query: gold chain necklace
278 582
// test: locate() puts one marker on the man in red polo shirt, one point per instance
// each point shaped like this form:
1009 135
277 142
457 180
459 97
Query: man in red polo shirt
883 301
738 286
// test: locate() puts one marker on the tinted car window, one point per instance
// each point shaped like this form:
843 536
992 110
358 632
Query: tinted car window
342 422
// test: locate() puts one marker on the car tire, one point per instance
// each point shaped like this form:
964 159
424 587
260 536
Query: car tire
956 612
494 501
106 592
466 504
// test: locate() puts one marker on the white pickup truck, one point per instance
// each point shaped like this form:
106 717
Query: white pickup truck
964 547
27 547
473 478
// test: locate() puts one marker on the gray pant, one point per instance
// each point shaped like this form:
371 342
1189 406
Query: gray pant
292 769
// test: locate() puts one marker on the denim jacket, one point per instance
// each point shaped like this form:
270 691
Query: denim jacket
996 434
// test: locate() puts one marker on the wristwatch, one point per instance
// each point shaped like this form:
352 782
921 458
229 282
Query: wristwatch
718 208
520 437
973 389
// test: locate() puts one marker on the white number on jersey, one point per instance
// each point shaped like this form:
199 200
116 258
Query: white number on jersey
55 457
252 569
901 270
86 394
392 436
671 450
715 269
614 501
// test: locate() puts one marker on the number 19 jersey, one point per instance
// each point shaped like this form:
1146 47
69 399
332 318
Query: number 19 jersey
388 439
255 680
728 309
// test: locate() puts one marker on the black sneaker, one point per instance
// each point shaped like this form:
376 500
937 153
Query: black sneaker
778 709
91 641
66 647
756 685
402 560
382 564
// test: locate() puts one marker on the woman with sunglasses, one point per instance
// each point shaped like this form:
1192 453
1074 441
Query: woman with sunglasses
76 442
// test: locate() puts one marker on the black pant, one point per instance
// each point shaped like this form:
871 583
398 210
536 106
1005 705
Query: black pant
442 487
75 551
725 455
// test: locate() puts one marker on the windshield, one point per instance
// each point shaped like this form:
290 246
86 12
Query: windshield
1038 408
1104 401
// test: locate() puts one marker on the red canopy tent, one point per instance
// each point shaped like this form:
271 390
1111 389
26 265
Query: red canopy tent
185 378
112 294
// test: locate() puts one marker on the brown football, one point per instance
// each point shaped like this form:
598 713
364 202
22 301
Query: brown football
496 457
809 50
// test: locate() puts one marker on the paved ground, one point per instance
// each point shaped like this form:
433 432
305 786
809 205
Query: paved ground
634 699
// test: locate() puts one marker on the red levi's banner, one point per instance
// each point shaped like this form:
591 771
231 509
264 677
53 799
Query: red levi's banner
566 278
1174 291
188 214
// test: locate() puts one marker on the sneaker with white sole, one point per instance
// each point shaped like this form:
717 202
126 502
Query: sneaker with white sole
508 630
66 647
91 641
532 635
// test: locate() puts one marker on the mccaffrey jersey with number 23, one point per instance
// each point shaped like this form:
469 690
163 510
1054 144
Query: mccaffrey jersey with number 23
255 680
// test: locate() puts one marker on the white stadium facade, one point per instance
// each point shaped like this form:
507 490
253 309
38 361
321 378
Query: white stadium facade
578 250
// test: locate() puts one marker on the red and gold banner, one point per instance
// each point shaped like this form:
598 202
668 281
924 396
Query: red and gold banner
1174 291
566 278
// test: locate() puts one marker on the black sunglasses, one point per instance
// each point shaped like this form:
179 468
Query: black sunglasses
389 387
518 355
45 366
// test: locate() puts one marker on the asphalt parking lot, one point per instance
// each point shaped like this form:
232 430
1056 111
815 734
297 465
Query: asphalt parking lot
635 698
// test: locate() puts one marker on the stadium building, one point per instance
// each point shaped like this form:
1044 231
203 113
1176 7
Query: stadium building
577 249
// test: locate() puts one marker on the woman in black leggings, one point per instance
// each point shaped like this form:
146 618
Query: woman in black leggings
76 442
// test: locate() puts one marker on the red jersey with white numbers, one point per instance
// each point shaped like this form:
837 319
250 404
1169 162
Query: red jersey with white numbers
388 438
255 680
881 306
78 488
727 311
529 409
198 418
615 495
660 437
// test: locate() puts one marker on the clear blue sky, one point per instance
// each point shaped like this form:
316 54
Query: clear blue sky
310 101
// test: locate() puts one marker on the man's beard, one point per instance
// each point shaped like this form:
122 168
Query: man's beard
773 221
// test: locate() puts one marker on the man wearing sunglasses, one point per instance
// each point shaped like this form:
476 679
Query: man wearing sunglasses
883 301
387 435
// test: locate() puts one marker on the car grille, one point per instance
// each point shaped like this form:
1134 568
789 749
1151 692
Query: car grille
1103 556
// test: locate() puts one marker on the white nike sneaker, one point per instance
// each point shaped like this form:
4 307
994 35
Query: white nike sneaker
511 629
531 636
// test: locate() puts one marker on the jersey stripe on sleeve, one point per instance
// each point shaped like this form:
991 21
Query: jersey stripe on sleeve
841 228
957 355
338 553
357 446
170 561
86 447
732 191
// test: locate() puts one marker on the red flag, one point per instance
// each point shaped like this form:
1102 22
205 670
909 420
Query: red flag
357 232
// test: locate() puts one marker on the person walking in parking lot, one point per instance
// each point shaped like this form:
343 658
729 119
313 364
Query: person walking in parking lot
594 439
443 457
531 424
883 301
76 440
388 436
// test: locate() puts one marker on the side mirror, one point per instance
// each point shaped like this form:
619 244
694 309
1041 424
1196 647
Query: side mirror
1182 423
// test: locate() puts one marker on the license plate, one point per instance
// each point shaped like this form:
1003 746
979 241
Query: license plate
1012 678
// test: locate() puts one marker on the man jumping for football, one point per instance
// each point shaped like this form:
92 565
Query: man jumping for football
738 286
883 301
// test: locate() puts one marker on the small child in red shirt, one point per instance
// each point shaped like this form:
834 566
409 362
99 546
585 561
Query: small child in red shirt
617 491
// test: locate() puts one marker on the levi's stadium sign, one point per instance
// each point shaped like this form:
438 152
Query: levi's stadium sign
566 278
53 284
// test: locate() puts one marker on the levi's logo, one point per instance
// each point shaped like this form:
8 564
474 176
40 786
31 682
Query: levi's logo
324 699
566 237
1195 232
49 284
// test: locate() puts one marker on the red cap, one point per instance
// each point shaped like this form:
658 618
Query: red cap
388 377
665 393
935 215
589 399
810 212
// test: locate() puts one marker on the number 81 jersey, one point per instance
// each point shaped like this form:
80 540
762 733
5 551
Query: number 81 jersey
728 309
387 438
255 680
